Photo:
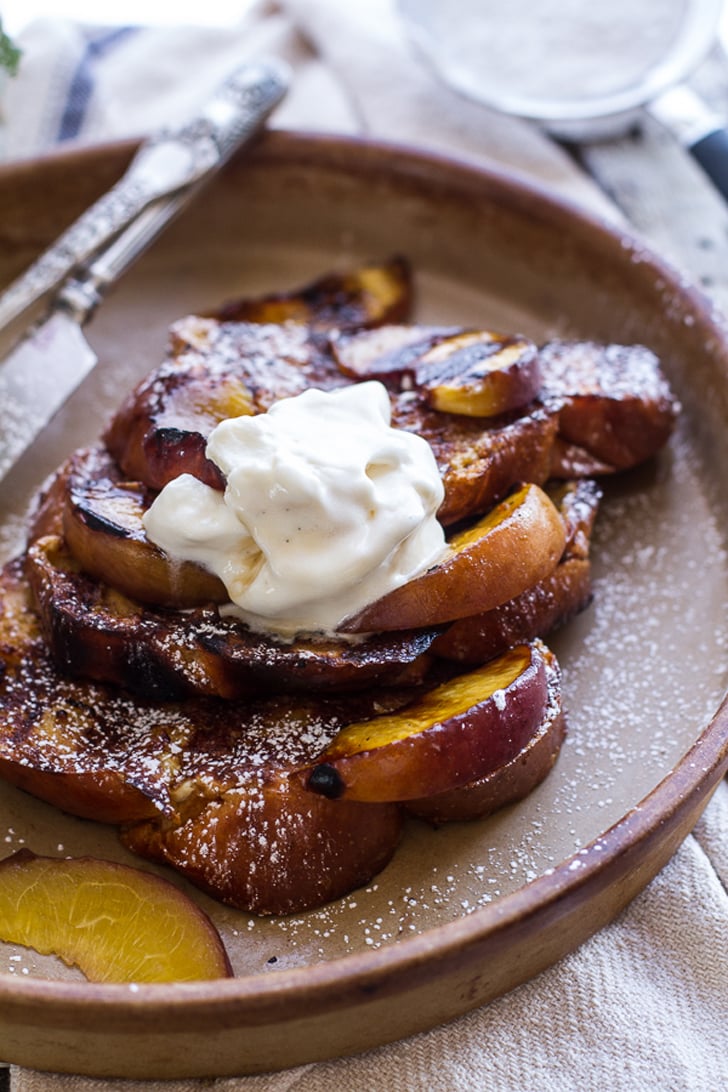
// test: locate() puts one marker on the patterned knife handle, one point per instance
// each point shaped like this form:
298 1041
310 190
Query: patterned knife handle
173 163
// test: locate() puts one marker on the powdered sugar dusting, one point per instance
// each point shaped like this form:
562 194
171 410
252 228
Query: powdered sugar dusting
644 668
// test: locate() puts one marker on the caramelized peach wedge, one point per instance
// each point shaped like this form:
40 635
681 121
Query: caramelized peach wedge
481 374
477 373
515 545
102 527
115 923
451 735
350 299
546 605
513 779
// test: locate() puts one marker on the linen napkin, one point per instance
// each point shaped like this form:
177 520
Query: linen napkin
644 1004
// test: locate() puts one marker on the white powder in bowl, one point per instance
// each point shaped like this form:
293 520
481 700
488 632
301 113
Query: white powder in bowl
566 50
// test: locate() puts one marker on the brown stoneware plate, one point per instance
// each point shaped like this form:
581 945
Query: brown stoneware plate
466 913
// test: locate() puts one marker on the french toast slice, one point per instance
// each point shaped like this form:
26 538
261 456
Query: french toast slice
221 370
97 631
240 358
213 371
216 775
95 627
94 631
102 524
614 405
480 459
599 409
212 851
213 788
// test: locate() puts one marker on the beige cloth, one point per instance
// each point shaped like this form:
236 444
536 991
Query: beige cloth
644 1004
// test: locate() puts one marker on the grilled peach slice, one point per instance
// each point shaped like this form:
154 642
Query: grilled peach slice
450 735
388 353
113 922
477 373
546 605
517 544
512 781
354 299
102 526
481 374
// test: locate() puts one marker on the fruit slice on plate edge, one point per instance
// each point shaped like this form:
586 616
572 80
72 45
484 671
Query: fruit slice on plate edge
114 922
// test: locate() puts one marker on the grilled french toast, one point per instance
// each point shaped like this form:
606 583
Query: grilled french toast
129 695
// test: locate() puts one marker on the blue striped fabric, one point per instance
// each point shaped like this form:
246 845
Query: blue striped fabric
81 87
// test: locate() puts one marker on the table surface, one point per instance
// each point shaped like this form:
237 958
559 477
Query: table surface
664 194
660 191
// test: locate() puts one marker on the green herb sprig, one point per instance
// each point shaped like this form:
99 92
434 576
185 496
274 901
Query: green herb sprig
9 53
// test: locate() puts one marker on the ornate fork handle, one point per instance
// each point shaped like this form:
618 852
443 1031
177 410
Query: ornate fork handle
172 161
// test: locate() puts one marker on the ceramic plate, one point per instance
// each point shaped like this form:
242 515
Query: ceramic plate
462 914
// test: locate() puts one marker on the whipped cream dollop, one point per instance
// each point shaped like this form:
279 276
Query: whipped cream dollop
326 508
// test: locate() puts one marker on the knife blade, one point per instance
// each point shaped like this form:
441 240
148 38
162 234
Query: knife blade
28 400
54 357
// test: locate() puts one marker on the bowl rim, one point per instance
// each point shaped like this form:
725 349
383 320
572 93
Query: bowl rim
689 783
255 995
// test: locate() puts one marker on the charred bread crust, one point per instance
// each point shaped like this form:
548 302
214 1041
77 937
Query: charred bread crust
210 782
92 631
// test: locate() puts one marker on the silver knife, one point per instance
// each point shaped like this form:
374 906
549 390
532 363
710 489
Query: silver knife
38 376
166 163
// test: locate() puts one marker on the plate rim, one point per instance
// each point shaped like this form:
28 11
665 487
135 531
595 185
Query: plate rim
696 775
682 790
